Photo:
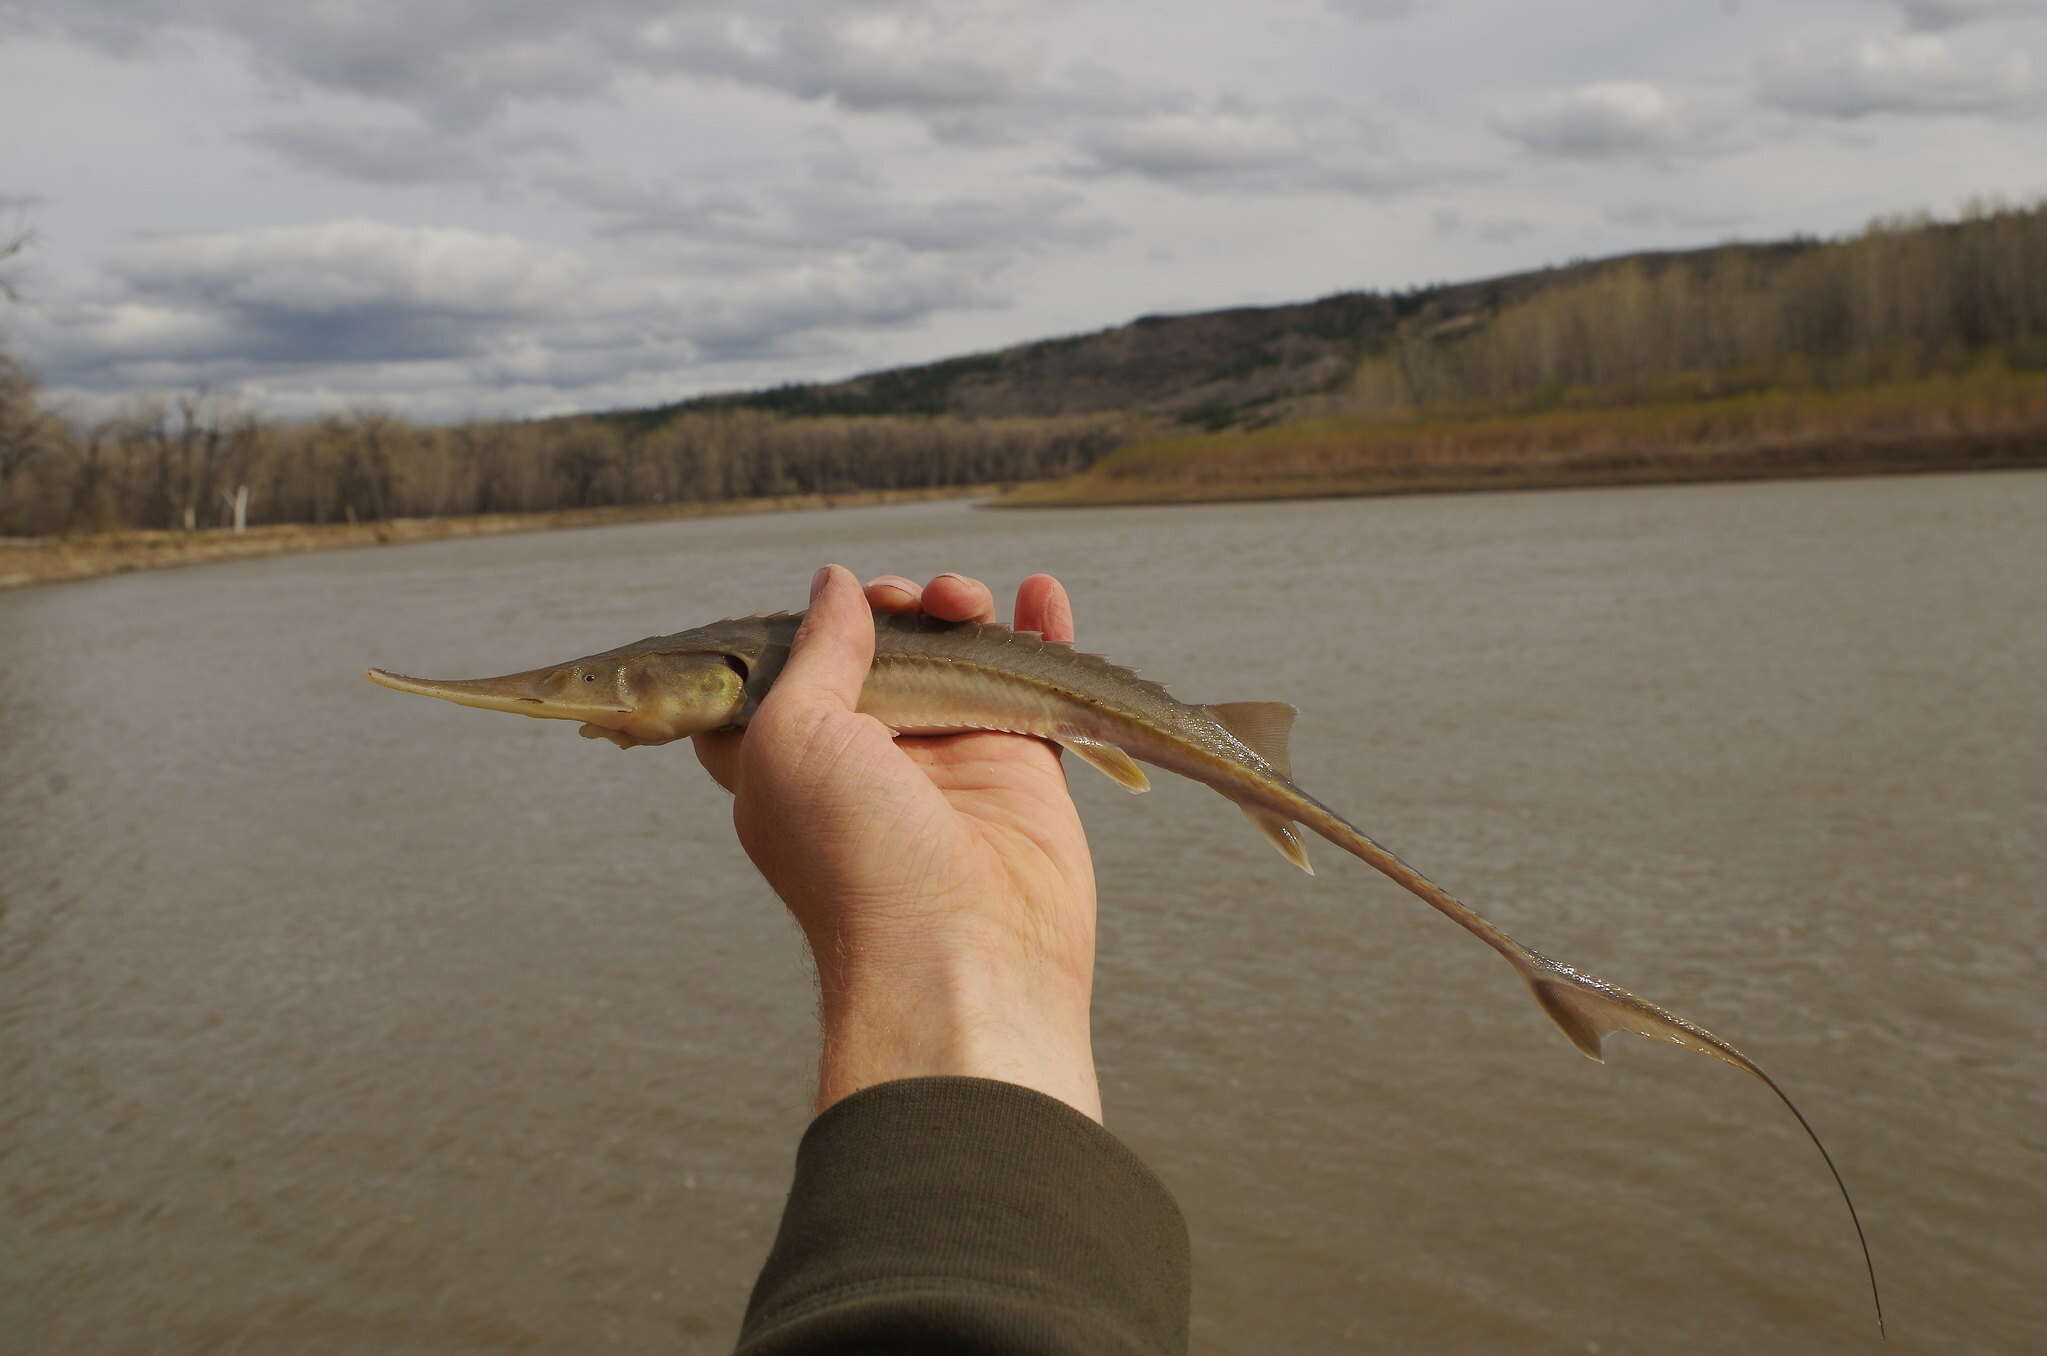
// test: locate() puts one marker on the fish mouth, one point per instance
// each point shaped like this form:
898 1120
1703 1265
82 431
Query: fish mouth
520 693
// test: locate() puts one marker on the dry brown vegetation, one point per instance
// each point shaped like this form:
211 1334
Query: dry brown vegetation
1981 421
191 461
184 463
43 560
1915 346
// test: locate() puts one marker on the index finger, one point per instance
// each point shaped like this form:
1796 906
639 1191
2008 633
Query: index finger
832 650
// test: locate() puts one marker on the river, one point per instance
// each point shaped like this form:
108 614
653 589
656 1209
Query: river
338 1021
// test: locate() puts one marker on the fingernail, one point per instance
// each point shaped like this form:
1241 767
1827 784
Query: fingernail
818 581
956 578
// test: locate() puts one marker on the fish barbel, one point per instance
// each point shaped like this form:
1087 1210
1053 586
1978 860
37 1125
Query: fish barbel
935 677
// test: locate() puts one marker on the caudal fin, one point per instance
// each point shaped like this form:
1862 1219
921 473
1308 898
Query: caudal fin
1586 1009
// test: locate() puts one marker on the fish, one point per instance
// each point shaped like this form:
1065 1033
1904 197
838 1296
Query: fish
935 677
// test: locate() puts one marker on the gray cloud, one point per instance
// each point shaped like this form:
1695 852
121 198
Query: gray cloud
1898 73
1449 222
879 291
836 204
365 306
459 63
455 62
343 292
748 192
1606 120
1374 11
1650 216
1220 144
971 71
1935 15
882 55
395 154
1237 146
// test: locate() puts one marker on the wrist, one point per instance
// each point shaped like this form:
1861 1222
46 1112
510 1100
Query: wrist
986 1012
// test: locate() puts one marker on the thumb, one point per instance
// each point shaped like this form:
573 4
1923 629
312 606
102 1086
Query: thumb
834 647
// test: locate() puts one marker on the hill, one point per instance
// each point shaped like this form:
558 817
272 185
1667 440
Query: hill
1244 366
1914 345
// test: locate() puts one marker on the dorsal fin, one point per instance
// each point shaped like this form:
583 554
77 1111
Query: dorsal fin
1262 726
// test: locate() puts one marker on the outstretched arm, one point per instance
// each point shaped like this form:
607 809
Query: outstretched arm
943 883
957 1192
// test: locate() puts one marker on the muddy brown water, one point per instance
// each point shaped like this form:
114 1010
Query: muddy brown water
338 1021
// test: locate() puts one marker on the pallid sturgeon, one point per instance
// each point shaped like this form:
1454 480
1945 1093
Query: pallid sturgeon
934 677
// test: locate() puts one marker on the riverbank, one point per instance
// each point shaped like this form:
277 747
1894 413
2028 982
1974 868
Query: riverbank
49 560
1980 422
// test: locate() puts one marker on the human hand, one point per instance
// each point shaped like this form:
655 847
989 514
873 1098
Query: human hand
943 882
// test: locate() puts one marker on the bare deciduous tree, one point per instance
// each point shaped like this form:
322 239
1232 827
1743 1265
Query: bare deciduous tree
1908 297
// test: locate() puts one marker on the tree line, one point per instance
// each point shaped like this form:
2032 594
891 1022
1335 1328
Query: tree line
199 459
1908 298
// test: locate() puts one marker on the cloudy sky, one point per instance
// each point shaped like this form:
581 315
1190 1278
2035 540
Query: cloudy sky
446 207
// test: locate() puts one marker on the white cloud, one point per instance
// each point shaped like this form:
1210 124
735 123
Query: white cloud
1604 120
1898 73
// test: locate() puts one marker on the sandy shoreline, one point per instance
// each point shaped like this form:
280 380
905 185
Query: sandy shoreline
49 560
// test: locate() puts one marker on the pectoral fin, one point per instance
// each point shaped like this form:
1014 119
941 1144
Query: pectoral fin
1119 767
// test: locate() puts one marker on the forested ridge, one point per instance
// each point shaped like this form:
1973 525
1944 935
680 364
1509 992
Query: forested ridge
1955 310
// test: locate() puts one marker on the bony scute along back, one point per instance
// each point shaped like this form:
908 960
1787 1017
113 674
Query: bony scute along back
934 677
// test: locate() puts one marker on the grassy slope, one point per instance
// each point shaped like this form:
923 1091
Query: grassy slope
1984 419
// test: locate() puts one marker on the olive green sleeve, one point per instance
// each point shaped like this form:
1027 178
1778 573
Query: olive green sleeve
965 1215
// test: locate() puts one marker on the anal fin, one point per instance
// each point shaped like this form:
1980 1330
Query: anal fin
1111 761
1281 833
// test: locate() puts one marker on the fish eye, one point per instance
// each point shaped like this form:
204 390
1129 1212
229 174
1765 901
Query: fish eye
589 677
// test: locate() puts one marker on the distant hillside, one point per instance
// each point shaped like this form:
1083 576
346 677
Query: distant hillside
1915 345
1249 365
